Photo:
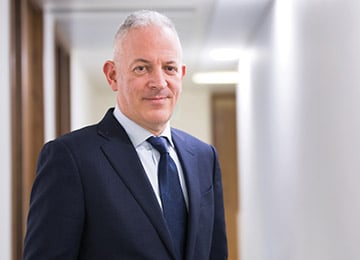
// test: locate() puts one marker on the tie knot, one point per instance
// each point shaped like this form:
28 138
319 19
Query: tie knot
159 143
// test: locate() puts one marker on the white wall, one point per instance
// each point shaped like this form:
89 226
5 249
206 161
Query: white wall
5 138
299 129
90 95
193 112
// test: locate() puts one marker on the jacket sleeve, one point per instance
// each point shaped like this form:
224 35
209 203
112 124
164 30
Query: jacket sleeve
56 214
219 248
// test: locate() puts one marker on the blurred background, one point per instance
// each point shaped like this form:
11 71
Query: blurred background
274 85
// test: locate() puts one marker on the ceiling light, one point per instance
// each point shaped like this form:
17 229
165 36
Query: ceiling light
218 77
225 54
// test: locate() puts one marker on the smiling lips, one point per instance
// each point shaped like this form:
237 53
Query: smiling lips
156 98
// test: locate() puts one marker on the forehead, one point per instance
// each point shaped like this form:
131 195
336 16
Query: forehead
150 40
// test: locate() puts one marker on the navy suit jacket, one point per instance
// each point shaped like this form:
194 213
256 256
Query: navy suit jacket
91 199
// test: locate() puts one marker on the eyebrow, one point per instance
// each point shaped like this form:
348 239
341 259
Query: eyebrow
148 62
140 60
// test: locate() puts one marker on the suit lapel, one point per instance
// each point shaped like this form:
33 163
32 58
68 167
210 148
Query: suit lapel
189 164
119 149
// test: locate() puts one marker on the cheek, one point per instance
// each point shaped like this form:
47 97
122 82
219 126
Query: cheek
127 95
132 94
176 89
180 89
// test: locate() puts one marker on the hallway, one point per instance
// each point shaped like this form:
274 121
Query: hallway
297 105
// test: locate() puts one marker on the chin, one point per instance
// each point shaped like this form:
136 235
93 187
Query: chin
159 119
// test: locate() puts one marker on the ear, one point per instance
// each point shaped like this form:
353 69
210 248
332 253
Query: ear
183 70
110 74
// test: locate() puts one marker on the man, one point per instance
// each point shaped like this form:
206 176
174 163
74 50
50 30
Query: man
97 194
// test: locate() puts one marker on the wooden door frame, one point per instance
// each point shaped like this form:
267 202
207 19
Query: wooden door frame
27 116
62 86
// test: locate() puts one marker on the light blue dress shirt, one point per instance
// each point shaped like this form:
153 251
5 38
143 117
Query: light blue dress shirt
148 155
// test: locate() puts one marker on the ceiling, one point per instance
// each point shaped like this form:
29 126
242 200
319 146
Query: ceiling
89 26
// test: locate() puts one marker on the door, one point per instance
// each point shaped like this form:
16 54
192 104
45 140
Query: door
225 141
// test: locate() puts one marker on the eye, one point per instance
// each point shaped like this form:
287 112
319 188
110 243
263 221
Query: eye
140 69
171 69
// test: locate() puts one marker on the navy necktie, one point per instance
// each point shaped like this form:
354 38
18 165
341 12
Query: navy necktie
173 203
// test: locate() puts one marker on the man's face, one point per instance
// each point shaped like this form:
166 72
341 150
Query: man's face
147 74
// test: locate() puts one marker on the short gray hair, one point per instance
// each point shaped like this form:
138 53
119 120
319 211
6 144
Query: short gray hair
143 18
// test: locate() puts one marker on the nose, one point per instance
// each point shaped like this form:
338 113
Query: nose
157 79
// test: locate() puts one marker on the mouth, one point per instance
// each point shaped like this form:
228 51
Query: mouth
157 99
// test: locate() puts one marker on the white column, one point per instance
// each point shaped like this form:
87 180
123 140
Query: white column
49 75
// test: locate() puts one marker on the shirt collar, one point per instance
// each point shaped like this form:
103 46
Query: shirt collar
136 133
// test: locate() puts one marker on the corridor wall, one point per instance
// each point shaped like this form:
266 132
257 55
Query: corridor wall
299 134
